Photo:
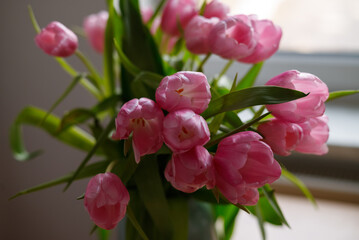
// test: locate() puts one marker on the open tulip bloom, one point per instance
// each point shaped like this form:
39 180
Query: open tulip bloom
167 136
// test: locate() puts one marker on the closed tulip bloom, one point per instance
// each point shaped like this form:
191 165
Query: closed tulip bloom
216 9
315 136
196 34
57 40
177 12
184 90
233 38
143 117
244 163
268 36
304 108
95 27
281 136
106 200
191 170
183 130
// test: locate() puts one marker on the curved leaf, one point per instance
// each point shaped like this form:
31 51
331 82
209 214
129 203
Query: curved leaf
88 171
73 136
150 188
251 97
249 79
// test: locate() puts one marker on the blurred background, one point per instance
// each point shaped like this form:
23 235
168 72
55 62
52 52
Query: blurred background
320 37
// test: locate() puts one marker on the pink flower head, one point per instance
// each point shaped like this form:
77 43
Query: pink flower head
304 108
244 163
106 200
216 9
315 136
184 90
233 38
143 117
57 40
196 34
183 130
191 170
281 136
268 36
177 12
95 27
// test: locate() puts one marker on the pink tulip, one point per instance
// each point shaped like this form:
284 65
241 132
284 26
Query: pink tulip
106 200
281 136
315 136
216 9
191 170
196 34
268 36
233 38
143 117
244 163
304 108
184 90
177 12
183 130
237 194
57 40
95 27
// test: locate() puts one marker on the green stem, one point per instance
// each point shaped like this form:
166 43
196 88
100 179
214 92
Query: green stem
110 166
205 59
33 19
90 67
159 6
224 70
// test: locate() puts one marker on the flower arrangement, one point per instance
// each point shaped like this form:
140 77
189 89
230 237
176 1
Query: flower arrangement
169 136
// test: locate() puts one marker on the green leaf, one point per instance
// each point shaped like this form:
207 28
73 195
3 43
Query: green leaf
269 194
131 216
251 97
145 84
150 188
138 45
339 94
88 171
260 221
179 213
103 137
228 213
296 181
268 214
63 96
156 12
73 136
129 66
108 59
249 79
216 139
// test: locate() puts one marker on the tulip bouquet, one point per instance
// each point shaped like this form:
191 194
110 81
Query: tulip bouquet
171 140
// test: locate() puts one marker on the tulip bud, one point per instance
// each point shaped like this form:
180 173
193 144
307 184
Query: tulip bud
244 163
57 40
143 117
191 170
216 9
184 90
196 34
183 130
177 12
304 108
281 136
146 14
106 200
315 136
95 27
268 36
233 38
